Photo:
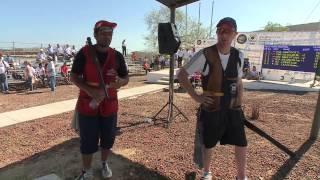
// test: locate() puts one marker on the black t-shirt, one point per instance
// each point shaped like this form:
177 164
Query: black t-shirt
80 61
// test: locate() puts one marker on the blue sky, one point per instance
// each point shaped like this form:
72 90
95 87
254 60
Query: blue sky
71 21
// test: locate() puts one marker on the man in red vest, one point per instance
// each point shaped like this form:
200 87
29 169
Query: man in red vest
220 111
97 113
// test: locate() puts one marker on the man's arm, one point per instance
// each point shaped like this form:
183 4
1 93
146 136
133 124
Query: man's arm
185 83
240 86
94 92
120 81
122 71
76 77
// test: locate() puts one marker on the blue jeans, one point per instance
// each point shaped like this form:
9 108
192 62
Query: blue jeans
3 82
29 83
52 82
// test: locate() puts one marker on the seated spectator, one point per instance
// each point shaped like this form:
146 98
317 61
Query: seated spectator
73 50
50 51
246 67
41 56
253 74
9 60
64 72
68 52
195 79
133 56
146 67
59 52
40 74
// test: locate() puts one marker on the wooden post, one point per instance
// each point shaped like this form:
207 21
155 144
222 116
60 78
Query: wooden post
315 129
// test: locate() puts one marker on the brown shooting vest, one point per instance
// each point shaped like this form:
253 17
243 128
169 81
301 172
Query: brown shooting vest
221 85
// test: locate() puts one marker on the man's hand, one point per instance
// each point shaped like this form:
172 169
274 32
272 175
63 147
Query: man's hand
118 83
206 100
97 94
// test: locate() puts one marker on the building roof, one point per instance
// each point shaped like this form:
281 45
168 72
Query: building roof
305 27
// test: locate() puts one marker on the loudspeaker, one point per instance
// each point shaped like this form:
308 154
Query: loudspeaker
168 38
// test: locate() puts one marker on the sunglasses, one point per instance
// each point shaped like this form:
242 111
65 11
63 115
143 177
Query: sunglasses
225 31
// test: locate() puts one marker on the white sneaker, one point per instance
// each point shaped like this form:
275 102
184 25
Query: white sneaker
206 176
106 171
86 175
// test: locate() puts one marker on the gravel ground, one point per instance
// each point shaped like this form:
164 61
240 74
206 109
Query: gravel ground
166 153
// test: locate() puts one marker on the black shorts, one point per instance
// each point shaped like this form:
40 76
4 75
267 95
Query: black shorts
95 128
224 126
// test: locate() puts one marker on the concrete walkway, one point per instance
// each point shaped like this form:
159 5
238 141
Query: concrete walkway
28 114
279 86
22 115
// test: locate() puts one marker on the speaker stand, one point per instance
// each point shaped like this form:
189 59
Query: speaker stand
171 81
170 116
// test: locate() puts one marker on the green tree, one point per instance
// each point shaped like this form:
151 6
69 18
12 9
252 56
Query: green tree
163 15
275 27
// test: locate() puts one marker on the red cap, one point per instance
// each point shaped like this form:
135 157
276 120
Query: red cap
103 23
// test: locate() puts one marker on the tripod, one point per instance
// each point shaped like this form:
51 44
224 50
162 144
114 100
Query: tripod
172 5
170 116
170 103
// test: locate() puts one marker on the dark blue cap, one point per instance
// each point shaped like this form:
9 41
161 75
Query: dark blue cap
228 20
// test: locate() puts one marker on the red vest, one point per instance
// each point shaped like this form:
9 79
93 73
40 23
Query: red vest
91 76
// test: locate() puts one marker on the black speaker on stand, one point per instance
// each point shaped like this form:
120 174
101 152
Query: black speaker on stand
169 42
168 38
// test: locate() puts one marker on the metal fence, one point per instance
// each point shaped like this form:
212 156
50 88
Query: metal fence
14 48
26 48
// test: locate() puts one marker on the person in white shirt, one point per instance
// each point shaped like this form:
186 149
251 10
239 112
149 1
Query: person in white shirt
180 56
73 50
186 56
253 74
52 75
67 52
41 56
220 114
4 66
29 74
9 60
50 50
40 73
59 50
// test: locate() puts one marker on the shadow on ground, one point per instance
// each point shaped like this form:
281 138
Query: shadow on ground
64 160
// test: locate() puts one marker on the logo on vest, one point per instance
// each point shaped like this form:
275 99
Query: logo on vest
233 89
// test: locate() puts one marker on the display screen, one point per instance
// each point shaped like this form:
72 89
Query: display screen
293 58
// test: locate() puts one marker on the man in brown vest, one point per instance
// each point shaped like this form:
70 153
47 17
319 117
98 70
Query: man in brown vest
220 110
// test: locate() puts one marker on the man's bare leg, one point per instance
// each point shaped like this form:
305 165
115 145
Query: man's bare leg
240 157
206 156
104 154
86 161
